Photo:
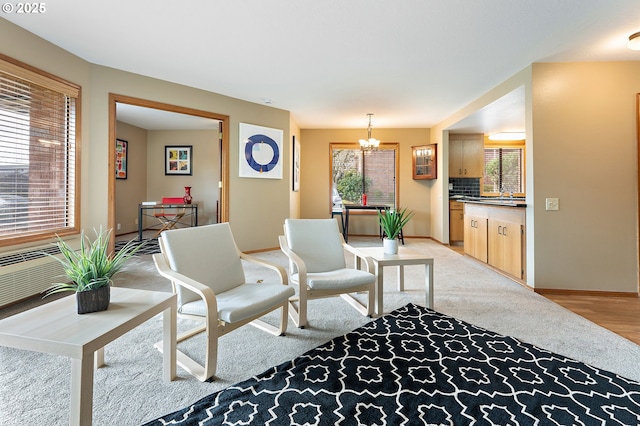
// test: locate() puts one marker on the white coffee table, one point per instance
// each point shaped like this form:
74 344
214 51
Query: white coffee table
55 328
404 257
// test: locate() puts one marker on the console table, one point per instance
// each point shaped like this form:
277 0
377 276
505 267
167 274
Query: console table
348 207
55 328
191 212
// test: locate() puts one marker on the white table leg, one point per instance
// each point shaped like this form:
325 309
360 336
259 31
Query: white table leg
169 343
400 277
428 275
99 358
379 289
81 412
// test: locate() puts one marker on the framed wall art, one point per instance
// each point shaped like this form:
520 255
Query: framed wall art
178 160
121 158
295 179
260 153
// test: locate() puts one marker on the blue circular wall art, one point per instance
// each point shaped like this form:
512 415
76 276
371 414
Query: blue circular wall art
262 153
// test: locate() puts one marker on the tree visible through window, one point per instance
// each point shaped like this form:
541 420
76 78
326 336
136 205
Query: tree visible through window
37 154
355 172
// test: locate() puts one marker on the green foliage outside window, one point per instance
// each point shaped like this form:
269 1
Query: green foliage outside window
350 186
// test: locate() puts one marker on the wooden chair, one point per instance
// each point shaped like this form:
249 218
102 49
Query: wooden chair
316 252
206 272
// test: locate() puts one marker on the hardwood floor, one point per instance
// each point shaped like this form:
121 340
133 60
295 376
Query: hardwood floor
620 314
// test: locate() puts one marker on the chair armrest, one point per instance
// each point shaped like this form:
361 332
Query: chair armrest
279 269
205 292
356 254
302 267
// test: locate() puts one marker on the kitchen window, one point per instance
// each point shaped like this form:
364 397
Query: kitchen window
504 166
372 172
38 163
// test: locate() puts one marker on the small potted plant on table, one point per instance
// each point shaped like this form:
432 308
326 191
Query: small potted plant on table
392 221
91 270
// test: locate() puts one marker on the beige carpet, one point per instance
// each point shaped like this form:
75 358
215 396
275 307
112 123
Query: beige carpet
34 388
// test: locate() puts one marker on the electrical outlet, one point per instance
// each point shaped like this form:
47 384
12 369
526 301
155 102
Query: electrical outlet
136 221
552 204
118 227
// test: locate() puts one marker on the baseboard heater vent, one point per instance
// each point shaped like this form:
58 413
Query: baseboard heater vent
27 273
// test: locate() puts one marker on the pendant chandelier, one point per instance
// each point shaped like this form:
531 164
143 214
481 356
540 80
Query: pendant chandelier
369 143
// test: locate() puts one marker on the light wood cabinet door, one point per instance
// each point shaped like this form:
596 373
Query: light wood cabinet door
473 158
456 225
456 221
455 158
505 246
475 237
466 156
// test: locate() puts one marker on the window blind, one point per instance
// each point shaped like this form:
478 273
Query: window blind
37 154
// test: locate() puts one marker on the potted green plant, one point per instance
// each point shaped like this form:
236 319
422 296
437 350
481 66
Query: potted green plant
91 269
392 221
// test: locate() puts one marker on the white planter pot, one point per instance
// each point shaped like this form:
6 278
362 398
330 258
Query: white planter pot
390 246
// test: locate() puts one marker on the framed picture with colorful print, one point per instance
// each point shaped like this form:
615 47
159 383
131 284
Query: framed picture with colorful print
121 158
178 160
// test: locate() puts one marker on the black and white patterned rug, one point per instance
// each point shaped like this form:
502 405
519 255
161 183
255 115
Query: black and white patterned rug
415 367
150 246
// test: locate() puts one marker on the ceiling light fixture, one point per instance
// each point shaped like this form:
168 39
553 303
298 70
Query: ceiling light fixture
634 41
507 136
369 143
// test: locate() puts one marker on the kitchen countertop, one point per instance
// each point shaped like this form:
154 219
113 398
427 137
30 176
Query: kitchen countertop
493 201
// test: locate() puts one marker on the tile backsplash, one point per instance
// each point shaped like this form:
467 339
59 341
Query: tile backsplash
469 187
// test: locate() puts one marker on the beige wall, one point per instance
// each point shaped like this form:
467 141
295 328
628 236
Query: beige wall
316 169
132 190
585 154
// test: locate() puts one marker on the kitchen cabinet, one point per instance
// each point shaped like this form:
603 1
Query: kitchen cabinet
496 235
475 236
466 155
425 162
456 222
505 246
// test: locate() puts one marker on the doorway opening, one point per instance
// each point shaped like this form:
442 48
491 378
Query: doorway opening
215 121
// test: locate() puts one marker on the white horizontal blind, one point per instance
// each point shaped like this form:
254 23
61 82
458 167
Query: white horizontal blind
503 170
37 155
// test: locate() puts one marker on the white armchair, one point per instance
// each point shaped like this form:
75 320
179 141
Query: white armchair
316 252
205 269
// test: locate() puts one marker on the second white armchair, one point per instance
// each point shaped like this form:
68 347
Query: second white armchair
316 252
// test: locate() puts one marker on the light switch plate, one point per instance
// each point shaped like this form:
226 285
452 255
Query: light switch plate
552 204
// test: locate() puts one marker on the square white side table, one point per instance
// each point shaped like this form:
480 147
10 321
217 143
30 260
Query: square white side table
404 257
55 328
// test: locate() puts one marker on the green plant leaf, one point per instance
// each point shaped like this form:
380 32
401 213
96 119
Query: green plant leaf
92 266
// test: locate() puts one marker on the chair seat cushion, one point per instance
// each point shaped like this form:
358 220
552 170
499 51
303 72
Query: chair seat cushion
243 302
344 278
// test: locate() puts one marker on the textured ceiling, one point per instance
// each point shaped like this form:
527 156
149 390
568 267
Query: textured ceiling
412 62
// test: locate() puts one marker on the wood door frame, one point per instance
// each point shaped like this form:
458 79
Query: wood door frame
638 188
114 99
